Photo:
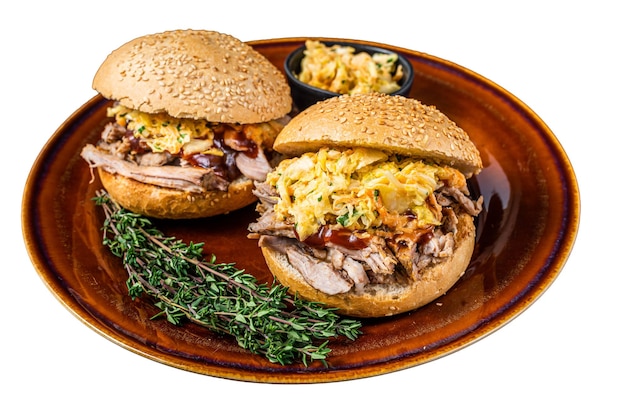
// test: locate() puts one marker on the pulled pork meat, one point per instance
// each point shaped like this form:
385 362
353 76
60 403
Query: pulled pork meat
232 153
350 264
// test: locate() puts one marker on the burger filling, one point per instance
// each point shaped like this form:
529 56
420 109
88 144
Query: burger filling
346 219
182 153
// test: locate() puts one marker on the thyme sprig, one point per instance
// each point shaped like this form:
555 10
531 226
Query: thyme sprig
263 319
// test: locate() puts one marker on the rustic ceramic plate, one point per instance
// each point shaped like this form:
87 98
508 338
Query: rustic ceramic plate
524 237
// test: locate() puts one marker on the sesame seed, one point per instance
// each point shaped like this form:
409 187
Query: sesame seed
222 69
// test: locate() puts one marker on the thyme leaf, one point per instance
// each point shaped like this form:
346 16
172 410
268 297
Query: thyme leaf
188 287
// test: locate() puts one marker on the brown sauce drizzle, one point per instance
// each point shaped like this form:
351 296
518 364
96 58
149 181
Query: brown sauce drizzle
138 147
224 165
346 238
425 237
238 141
342 237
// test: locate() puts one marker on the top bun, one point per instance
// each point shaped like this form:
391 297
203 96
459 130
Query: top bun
395 124
196 74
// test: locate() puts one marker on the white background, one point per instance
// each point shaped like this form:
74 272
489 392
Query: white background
565 354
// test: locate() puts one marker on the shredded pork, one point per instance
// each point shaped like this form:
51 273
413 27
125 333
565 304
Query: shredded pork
183 178
119 152
387 258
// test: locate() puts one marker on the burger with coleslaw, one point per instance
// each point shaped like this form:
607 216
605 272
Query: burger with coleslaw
194 115
371 213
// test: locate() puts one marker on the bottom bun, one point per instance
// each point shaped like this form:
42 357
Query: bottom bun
384 300
168 203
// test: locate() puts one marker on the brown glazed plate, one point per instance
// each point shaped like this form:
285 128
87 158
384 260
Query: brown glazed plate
524 236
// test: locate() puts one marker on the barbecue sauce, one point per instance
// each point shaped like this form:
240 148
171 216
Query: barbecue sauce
238 141
137 146
340 237
224 165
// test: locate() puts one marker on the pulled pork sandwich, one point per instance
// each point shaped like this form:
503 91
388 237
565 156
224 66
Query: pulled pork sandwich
371 214
194 117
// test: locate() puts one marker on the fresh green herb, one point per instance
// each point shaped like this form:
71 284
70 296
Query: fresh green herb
343 219
186 286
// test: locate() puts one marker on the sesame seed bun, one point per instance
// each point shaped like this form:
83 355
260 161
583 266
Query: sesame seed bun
195 73
169 203
381 300
396 124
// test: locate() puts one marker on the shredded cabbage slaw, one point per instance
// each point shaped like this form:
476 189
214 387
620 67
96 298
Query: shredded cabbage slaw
339 69
357 188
